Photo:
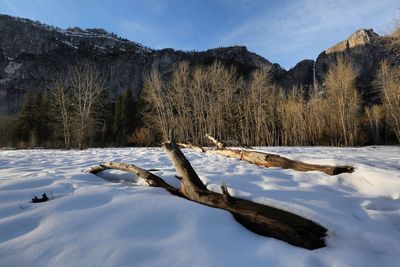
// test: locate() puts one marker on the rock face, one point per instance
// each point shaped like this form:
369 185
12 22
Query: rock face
33 54
360 38
299 75
365 49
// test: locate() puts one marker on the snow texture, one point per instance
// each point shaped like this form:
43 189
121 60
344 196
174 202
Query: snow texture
103 222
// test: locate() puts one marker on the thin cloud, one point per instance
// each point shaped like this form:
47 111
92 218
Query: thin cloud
154 35
10 5
282 31
299 27
131 27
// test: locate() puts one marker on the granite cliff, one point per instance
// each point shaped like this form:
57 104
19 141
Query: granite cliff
365 49
32 54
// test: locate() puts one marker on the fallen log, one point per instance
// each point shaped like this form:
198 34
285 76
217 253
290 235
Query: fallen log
258 218
274 160
151 179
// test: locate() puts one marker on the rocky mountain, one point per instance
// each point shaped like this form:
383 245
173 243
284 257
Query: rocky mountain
32 54
365 49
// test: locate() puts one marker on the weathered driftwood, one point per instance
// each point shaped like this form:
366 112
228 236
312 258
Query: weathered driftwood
273 160
151 179
259 218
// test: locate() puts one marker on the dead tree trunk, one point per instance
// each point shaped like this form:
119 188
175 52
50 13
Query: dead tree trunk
259 218
274 160
151 179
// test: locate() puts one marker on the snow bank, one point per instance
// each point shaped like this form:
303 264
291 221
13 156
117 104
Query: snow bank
96 222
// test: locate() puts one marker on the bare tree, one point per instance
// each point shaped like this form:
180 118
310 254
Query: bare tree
388 81
62 107
293 118
396 26
343 102
222 90
156 111
375 115
201 96
181 101
316 118
86 83
261 110
193 102
216 100
392 41
76 94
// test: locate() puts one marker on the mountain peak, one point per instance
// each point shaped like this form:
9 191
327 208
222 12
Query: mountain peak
360 37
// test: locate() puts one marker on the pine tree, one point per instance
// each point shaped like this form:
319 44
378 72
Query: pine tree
25 124
34 121
104 119
116 129
124 117
128 113
43 119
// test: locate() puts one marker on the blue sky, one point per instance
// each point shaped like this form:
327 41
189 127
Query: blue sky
284 31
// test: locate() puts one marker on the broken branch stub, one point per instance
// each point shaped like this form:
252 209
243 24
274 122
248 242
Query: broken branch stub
217 143
190 182
225 192
190 146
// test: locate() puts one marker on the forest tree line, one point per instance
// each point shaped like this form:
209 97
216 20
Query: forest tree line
255 111
216 100
76 111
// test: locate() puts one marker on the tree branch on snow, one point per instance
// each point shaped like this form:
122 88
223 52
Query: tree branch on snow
270 160
258 218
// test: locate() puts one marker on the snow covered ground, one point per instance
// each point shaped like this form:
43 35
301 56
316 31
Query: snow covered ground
94 222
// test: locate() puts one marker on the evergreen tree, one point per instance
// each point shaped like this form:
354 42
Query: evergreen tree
24 127
104 118
124 117
128 113
34 121
117 120
43 119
